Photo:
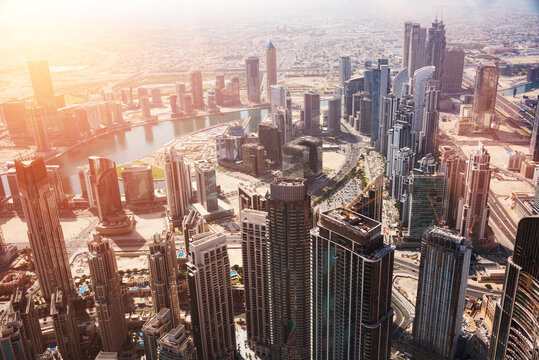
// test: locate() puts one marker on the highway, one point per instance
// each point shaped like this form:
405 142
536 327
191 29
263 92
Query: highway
405 268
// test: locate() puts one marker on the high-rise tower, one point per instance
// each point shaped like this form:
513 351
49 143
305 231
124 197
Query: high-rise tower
406 44
452 70
253 79
206 185
271 68
104 182
421 80
311 111
352 270
515 330
178 183
107 290
42 83
476 210
534 142
289 223
416 54
24 305
38 116
345 69
254 251
66 330
44 229
485 91
435 48
210 289
443 278
162 260
195 78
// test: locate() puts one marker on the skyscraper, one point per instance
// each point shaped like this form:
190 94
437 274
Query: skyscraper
416 54
278 98
485 90
195 78
271 68
254 251
66 330
23 304
421 80
435 48
451 163
352 270
13 340
345 69
476 210
38 116
44 229
42 83
253 79
178 184
176 345
388 107
443 278
153 329
334 116
311 118
534 142
17 121
373 87
452 70
430 121
107 289
289 223
162 260
406 44
104 183
138 185
385 85
206 185
515 330
427 203
210 289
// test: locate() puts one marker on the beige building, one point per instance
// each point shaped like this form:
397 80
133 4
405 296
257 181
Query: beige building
210 287
162 260
107 290
44 230
271 68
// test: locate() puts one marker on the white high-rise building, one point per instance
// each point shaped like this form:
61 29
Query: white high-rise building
210 289
278 99
421 80
254 251
107 293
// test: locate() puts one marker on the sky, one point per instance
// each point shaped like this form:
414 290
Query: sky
35 16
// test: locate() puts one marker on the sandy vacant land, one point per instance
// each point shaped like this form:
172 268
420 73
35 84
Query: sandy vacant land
409 285
15 229
332 160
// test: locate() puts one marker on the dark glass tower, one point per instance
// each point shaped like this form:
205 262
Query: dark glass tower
515 330
352 273
289 222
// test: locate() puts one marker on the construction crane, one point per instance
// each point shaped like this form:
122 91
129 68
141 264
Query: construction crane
365 191
470 229
440 222
370 201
